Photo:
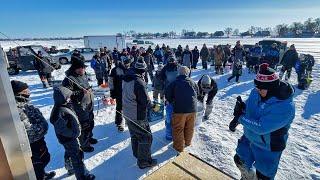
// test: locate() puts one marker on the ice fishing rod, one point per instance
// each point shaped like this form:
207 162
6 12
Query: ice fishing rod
81 87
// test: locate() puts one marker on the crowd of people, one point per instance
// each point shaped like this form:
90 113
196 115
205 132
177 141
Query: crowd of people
266 115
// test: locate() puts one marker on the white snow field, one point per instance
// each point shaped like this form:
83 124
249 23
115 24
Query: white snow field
213 142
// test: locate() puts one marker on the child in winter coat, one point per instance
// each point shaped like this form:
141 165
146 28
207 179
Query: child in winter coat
67 128
36 127
158 85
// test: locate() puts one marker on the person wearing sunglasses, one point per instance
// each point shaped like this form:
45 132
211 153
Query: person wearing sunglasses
266 117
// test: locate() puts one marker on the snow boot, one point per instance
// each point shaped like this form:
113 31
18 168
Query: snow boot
245 173
151 163
87 149
93 141
49 175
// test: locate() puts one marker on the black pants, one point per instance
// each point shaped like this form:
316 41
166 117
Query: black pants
118 118
194 64
86 130
141 140
237 77
204 64
45 77
73 158
40 157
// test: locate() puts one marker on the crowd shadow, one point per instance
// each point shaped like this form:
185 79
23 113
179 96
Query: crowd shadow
116 165
312 105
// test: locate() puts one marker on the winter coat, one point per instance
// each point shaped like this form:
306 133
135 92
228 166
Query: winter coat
289 59
82 102
115 81
64 119
272 55
237 68
187 58
195 54
204 54
238 53
158 54
169 73
256 52
35 124
148 59
227 51
115 56
43 65
211 94
135 99
100 67
158 83
106 58
182 94
178 54
266 123
218 58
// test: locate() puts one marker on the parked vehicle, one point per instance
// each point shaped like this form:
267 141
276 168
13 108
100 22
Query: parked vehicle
266 44
22 58
65 58
109 41
140 43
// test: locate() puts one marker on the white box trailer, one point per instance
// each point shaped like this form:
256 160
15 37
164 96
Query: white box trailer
109 41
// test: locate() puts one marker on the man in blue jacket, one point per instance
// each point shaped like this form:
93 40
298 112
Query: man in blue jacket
266 119
272 56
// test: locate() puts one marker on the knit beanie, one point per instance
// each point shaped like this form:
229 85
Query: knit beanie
18 86
266 78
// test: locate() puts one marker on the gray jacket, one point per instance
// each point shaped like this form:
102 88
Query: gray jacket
135 99
63 118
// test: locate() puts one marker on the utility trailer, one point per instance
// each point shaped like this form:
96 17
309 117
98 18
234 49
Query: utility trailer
109 41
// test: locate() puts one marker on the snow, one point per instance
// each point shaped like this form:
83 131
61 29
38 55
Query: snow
213 142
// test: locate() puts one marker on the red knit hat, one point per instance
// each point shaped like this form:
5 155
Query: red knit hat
266 78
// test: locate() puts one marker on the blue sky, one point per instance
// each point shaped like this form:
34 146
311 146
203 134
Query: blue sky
63 18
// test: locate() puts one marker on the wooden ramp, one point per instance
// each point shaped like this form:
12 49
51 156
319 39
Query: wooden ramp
188 166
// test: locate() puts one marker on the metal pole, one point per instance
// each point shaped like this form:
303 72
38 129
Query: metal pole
12 132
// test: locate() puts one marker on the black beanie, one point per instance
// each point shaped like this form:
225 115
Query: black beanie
77 63
18 86
266 78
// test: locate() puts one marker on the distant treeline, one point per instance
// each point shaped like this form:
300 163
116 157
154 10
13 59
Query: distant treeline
309 28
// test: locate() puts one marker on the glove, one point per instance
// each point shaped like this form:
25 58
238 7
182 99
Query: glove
239 108
234 123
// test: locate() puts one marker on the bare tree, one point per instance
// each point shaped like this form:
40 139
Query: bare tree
296 28
310 25
228 31
236 32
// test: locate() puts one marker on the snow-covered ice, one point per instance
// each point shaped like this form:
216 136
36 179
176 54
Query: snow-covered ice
213 142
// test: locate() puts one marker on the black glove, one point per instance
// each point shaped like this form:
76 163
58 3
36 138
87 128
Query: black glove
239 108
234 123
